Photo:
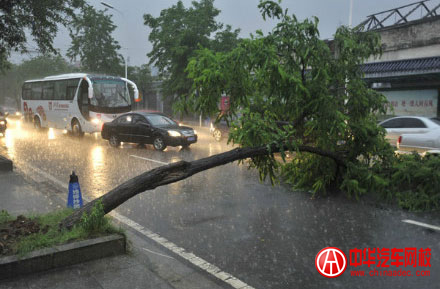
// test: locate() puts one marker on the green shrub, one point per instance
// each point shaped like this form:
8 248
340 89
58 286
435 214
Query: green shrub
4 216
95 222
416 182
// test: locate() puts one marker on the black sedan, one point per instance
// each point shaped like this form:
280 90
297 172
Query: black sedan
148 128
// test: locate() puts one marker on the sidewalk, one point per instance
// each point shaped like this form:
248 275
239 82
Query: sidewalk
145 266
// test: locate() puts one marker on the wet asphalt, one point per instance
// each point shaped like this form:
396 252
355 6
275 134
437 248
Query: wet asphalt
267 236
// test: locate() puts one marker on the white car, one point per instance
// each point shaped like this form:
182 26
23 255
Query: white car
397 126
421 143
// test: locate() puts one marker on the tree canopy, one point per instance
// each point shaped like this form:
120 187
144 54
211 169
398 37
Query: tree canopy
40 18
177 33
289 88
93 43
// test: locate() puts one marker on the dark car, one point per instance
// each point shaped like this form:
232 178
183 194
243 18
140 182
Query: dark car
148 128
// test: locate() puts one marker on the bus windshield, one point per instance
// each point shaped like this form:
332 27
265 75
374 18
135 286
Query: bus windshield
110 93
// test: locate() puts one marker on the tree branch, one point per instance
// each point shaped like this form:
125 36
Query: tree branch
178 171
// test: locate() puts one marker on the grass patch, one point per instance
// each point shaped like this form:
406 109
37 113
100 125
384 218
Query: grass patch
93 225
4 216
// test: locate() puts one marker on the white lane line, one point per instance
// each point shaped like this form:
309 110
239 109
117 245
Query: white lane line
152 252
190 257
422 224
147 159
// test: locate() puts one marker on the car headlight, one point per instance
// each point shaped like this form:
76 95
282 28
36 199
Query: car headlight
195 132
2 122
174 133
95 121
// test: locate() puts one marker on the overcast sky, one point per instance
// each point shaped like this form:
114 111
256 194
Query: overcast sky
132 34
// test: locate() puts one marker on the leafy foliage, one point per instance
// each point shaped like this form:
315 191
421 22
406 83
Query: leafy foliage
177 33
4 216
95 221
39 17
291 88
416 182
92 41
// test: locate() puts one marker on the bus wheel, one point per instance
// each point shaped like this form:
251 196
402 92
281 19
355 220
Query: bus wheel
37 123
114 141
159 144
76 129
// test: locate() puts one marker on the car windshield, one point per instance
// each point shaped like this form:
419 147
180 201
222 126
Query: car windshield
110 93
160 120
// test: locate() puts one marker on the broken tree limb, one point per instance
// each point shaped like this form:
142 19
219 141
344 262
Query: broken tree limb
174 172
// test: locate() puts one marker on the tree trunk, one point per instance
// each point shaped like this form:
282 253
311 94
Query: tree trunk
175 172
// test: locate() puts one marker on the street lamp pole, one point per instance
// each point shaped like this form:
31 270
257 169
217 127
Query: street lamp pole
126 52
350 15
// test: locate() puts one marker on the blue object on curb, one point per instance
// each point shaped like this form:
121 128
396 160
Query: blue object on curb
74 199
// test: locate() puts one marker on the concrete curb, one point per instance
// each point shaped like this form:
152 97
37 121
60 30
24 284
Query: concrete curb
5 164
62 255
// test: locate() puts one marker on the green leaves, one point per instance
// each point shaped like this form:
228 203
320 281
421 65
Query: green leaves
176 34
40 19
288 88
416 181
90 30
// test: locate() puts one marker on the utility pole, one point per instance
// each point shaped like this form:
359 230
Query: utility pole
126 59
350 15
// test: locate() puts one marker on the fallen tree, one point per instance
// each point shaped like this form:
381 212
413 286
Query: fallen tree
175 172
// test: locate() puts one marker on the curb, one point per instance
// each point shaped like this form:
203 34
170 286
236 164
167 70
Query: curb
62 255
5 164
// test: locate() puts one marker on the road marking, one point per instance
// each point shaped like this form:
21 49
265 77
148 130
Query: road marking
152 252
422 224
151 160
190 257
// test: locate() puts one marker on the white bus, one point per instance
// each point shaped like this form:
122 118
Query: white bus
77 102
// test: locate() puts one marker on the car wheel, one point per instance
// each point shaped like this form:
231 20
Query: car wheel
159 144
76 129
114 141
217 134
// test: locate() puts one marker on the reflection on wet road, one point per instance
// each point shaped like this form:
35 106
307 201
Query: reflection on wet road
266 236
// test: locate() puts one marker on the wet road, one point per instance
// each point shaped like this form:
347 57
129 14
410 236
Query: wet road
266 236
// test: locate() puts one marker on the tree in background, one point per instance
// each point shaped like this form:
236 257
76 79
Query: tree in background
177 33
93 43
40 18
144 81
38 67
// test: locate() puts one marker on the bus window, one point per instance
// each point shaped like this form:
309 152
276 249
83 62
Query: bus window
72 85
60 90
27 91
36 90
47 90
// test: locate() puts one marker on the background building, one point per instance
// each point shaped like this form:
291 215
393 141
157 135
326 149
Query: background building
408 72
